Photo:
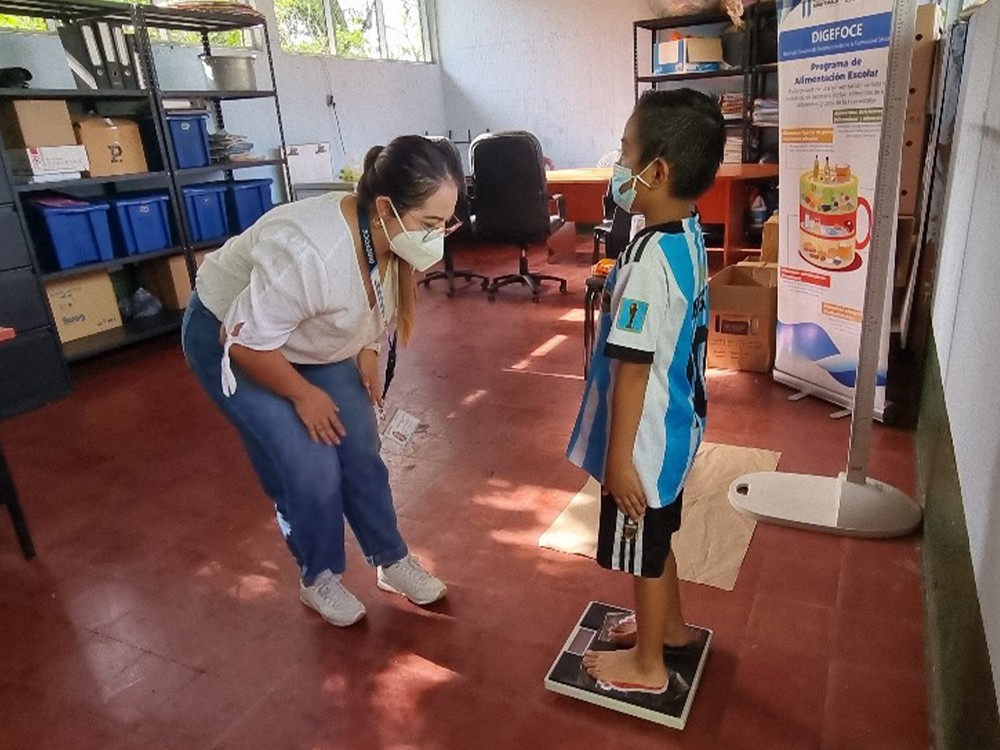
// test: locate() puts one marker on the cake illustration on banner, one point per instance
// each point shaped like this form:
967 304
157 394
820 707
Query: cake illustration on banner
828 217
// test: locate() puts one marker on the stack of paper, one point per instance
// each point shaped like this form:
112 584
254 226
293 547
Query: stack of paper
733 153
226 146
731 104
765 113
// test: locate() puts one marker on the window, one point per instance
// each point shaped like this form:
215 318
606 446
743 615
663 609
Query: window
22 23
361 29
235 38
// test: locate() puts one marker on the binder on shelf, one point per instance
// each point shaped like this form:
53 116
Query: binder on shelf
110 58
124 58
83 55
137 67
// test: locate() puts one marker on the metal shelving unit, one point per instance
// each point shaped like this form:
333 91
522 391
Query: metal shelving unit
228 166
112 265
752 72
154 179
143 18
132 332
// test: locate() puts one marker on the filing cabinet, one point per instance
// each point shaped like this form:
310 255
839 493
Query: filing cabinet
32 368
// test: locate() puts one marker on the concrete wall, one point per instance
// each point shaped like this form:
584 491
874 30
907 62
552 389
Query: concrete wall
966 313
560 70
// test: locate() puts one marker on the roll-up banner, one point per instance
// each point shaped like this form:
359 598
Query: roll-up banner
833 58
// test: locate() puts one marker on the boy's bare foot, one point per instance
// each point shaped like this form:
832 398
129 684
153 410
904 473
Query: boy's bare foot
621 670
623 632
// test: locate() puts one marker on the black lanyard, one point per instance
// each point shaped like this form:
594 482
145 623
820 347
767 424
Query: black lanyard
364 227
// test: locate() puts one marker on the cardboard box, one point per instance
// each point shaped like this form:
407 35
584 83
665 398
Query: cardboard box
49 160
692 54
167 279
912 165
930 27
743 315
769 241
906 242
83 305
114 146
34 123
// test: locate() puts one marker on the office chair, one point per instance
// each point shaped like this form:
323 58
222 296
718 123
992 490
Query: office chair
449 273
512 202
613 233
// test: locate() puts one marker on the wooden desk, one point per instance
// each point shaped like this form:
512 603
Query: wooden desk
725 202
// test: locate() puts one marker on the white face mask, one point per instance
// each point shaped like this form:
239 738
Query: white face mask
622 176
414 247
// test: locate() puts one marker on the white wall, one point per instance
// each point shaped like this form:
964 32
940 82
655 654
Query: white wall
376 100
562 70
967 311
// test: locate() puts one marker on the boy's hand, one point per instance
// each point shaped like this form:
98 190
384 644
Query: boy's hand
622 481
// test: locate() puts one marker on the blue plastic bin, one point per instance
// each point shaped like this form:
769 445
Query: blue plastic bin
189 134
74 232
142 223
247 201
206 210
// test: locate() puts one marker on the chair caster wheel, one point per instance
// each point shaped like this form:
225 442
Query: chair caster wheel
563 288
450 293
535 300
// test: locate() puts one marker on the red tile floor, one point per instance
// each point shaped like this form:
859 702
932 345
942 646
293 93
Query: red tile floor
162 610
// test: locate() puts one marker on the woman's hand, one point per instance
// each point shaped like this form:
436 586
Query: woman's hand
320 415
371 377
621 480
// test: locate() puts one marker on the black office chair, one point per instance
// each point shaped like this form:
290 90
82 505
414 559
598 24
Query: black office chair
613 237
449 273
613 232
512 202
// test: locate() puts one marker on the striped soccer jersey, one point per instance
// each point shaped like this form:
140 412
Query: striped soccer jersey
654 310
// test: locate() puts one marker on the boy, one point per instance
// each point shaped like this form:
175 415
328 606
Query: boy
643 412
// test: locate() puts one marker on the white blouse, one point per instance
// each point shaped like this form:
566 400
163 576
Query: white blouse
292 282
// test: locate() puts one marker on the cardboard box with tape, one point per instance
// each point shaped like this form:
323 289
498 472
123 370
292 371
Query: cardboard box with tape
114 146
692 54
743 314
83 305
35 123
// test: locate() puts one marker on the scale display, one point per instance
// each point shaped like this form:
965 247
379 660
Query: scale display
684 665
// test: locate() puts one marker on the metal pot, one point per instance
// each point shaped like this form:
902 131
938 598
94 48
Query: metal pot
232 72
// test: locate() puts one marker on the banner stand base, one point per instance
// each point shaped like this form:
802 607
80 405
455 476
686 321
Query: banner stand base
828 504
804 389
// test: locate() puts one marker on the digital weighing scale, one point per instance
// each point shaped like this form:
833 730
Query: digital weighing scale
684 665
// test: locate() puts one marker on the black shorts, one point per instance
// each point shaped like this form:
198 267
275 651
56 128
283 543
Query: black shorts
637 548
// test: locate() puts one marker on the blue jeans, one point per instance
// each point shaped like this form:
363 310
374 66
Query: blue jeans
314 486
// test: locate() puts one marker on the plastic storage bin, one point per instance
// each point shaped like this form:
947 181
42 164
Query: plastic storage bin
141 223
247 201
206 210
189 134
73 232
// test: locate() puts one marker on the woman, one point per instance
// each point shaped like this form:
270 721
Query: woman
283 332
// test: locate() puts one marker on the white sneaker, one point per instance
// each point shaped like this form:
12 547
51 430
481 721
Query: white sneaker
409 579
335 604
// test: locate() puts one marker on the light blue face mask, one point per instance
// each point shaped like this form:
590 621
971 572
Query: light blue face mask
620 177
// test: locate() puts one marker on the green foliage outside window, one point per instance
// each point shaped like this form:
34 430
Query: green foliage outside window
234 38
22 23
305 26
